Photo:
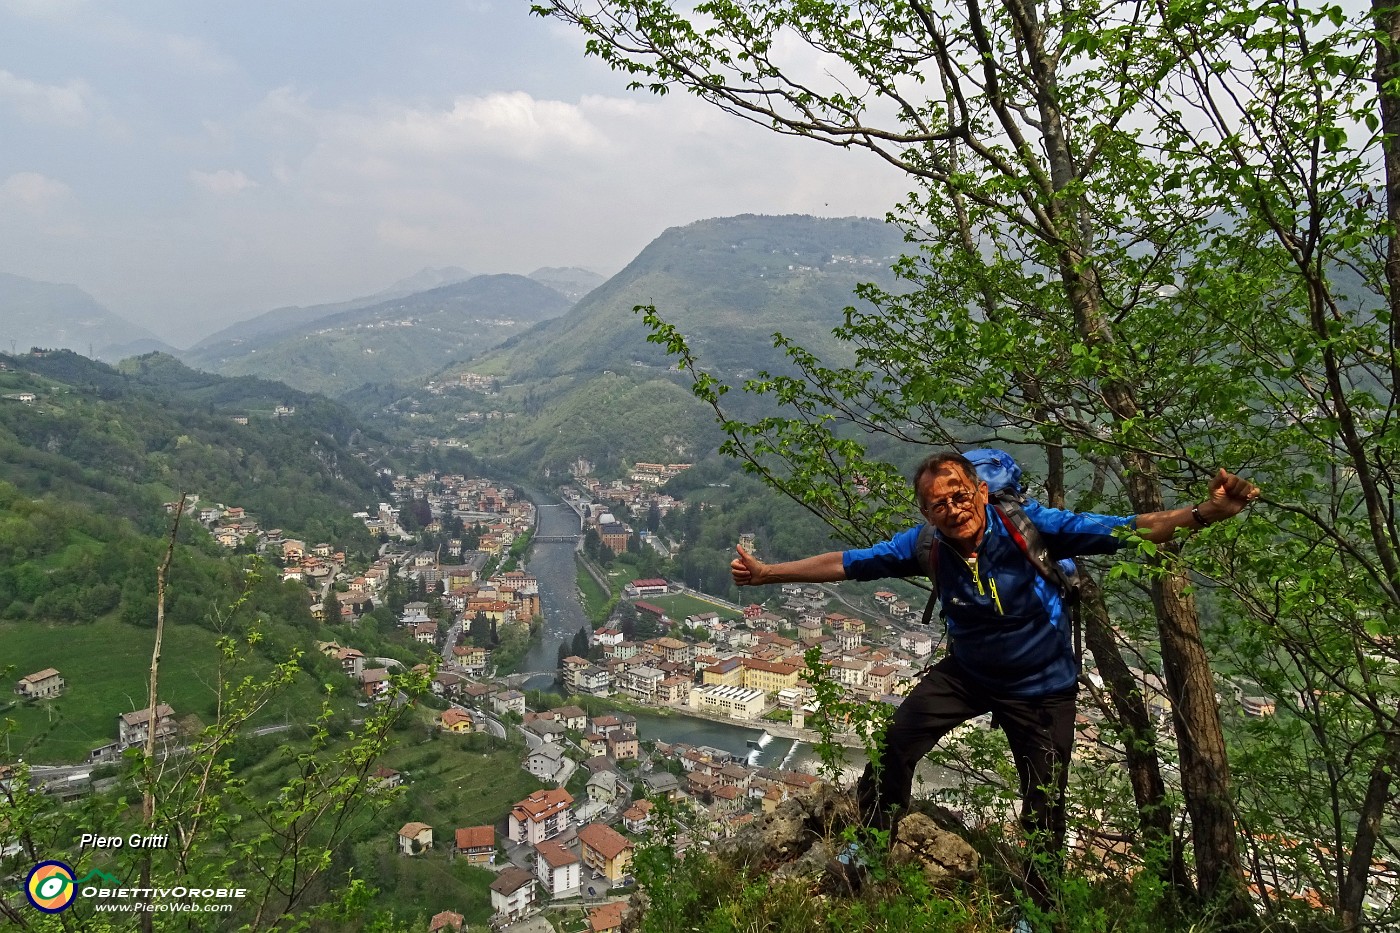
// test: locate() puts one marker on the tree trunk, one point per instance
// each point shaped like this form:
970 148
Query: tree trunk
1139 738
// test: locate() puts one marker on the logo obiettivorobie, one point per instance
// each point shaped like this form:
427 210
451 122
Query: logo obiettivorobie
51 887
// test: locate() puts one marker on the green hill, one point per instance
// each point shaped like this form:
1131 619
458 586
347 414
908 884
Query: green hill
727 283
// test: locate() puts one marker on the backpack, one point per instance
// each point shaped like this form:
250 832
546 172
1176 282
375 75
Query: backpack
1007 495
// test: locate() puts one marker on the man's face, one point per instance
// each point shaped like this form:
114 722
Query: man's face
953 503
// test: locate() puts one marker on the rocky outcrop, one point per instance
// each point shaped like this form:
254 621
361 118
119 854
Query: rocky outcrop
802 838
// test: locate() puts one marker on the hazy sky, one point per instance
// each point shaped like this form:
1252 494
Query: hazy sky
191 164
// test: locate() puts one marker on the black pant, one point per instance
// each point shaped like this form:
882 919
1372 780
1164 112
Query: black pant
1040 731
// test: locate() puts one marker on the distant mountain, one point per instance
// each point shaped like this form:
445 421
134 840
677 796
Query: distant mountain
401 339
284 320
573 283
588 384
54 316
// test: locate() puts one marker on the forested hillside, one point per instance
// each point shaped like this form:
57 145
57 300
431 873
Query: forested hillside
89 461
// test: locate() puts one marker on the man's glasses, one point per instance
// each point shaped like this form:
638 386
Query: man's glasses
958 500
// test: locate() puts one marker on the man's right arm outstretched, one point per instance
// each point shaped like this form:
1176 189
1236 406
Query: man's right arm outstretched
748 570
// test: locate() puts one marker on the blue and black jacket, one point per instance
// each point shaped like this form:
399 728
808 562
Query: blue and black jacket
1009 627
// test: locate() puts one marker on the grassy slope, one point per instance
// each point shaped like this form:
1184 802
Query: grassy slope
106 665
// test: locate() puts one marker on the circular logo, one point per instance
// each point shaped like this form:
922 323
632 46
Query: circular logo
50 887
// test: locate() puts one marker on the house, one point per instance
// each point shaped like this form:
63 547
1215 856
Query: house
509 701
544 761
727 799
558 869
455 720
385 779
548 729
133 728
606 851
1257 706
642 682
540 816
448 920
614 536
40 684
700 784
637 818
674 650
622 746
352 661
608 918
425 632
918 644
602 787
414 838
850 673
674 689
375 683
477 844
472 658
572 717
447 684
513 892
571 666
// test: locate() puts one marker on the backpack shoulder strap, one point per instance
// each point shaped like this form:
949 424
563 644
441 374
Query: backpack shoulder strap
926 552
1032 543
1029 539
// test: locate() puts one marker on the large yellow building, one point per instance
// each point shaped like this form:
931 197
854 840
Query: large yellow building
769 676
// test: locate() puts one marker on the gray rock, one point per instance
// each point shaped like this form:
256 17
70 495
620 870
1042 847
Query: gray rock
943 855
809 867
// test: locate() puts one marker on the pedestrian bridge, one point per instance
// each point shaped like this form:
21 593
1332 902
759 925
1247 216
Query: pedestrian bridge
554 538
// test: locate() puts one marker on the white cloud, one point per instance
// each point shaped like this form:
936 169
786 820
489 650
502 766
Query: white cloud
509 123
33 192
64 105
222 182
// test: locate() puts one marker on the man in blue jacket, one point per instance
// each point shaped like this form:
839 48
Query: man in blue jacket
1010 649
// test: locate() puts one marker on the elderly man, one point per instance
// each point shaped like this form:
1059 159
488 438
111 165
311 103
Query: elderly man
1010 649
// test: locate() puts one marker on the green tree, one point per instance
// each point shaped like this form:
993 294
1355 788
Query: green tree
1147 241
330 606
480 630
